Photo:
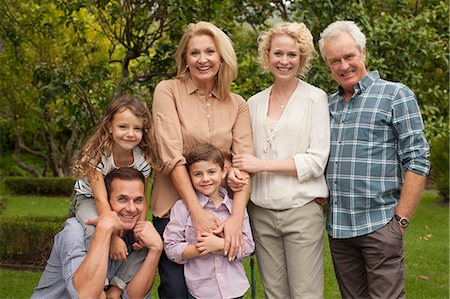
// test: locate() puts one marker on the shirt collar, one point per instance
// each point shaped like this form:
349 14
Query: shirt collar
364 83
192 88
223 192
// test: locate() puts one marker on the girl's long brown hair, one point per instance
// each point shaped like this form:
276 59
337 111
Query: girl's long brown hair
100 142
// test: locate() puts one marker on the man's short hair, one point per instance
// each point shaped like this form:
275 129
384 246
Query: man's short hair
336 29
123 173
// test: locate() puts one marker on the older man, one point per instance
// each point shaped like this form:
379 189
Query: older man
71 272
377 168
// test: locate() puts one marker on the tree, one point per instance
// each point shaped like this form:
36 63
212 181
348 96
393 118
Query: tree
65 56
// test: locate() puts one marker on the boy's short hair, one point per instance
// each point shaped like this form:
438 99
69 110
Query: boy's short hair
123 173
204 152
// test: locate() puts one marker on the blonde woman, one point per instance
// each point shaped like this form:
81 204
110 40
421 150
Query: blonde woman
291 138
195 107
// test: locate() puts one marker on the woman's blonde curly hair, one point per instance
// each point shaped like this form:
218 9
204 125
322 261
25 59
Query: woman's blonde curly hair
300 33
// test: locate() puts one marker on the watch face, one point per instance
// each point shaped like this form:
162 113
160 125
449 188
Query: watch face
402 221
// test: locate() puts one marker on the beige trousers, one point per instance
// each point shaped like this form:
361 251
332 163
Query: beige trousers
289 249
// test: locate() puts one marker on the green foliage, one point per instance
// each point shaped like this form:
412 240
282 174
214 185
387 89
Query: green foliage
440 163
52 186
27 240
64 61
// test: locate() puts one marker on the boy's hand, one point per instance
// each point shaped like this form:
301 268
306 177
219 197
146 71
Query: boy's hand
209 243
118 249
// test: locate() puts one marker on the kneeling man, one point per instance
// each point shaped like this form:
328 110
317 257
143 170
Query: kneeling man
73 272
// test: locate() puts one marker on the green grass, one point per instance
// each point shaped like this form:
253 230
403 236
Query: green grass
426 246
36 205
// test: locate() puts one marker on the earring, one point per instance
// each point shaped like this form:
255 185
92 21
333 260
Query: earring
187 66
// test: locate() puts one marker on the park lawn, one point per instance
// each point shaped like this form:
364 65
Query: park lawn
37 206
426 246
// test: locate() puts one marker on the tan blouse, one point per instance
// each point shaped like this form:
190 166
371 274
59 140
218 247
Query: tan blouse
185 116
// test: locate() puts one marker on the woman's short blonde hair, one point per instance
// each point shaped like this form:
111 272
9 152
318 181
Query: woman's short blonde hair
300 33
228 70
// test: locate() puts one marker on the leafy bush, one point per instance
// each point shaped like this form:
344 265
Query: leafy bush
40 186
28 240
440 165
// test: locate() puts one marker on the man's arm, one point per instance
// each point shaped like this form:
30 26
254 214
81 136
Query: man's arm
147 236
413 186
89 278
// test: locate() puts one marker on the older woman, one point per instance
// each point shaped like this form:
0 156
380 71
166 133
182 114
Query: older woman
291 138
198 106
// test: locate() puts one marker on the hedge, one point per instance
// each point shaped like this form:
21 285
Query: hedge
53 186
28 240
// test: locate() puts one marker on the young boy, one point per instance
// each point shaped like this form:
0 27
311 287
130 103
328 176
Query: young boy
208 273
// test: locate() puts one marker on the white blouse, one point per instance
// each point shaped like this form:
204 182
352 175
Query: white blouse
302 133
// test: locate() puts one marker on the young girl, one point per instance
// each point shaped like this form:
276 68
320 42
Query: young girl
123 139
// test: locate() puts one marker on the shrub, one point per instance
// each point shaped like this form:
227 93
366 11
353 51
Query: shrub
27 240
53 186
440 165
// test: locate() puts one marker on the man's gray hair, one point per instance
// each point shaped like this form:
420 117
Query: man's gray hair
337 28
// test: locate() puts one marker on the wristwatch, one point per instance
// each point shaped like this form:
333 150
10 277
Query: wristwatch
403 221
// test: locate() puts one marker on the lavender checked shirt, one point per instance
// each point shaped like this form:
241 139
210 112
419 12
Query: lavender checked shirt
211 275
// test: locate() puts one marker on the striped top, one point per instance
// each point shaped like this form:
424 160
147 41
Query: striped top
376 136
106 165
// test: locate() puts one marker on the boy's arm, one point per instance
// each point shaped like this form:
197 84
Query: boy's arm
207 243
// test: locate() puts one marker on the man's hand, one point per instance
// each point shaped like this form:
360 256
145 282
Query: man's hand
147 236
236 180
108 220
209 243
118 249
232 228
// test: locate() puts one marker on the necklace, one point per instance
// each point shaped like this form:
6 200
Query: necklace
281 104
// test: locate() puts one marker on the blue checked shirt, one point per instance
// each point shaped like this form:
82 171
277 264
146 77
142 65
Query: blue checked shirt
374 137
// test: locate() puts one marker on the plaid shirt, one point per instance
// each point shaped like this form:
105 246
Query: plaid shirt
375 136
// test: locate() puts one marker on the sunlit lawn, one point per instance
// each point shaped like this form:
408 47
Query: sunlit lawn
426 245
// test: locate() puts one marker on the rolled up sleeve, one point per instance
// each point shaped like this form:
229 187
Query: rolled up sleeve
413 148
167 127
312 163
174 234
